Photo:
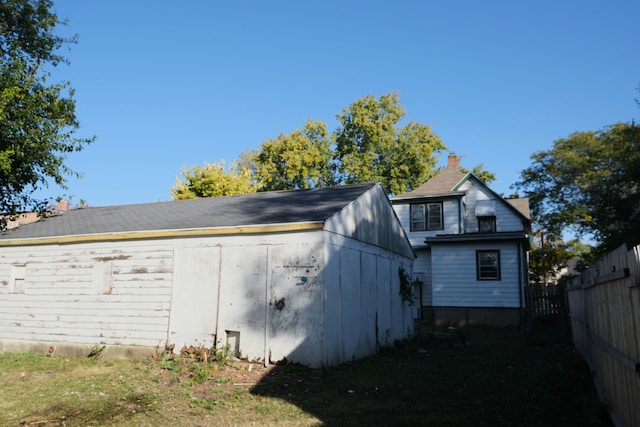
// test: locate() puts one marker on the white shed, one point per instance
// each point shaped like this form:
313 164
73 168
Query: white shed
310 276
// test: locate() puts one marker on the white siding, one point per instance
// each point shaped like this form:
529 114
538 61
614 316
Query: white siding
455 282
194 298
506 219
451 217
372 219
324 298
295 307
88 294
363 309
422 270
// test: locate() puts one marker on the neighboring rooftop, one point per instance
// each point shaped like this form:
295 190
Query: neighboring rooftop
521 205
444 182
276 207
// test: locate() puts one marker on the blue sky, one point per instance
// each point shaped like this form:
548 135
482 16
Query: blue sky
165 84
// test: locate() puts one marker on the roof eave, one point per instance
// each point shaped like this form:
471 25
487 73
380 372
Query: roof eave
163 234
477 237
455 194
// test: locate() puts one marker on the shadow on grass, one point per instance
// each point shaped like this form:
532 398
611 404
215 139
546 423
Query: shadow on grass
108 411
492 377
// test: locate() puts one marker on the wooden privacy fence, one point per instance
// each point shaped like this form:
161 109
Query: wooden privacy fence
604 308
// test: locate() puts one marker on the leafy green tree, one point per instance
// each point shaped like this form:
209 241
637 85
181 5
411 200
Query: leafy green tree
588 182
481 173
213 180
37 118
550 254
370 145
301 159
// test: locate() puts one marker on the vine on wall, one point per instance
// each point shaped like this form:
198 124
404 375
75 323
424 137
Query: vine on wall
406 286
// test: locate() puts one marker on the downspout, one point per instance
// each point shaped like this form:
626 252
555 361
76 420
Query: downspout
266 308
217 337
461 214
521 286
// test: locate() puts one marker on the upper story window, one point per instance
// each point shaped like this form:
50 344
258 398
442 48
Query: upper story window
487 224
486 214
426 216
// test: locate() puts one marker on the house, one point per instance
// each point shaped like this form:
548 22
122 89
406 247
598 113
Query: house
310 276
471 246
23 218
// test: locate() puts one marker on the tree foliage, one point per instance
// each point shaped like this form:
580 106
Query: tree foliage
370 145
301 159
590 182
37 118
213 180
550 254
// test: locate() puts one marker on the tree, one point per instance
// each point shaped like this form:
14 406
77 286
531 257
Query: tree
301 159
212 180
37 119
368 146
481 173
550 254
371 147
588 182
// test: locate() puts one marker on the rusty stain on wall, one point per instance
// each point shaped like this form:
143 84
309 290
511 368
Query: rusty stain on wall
113 258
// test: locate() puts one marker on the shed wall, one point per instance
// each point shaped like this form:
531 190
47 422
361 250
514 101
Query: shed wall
267 296
87 294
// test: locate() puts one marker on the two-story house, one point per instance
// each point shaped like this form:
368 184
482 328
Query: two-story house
471 246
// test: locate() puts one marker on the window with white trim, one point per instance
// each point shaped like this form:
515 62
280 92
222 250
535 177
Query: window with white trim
488 265
487 224
426 216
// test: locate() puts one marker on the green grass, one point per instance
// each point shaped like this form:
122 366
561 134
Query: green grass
497 380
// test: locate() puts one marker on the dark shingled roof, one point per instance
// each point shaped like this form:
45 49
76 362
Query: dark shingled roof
443 183
276 207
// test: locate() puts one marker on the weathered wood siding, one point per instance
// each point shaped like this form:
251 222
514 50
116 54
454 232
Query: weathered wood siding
371 219
362 306
604 308
313 297
455 282
86 294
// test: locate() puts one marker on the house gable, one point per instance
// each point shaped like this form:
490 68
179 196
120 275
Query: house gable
476 263
371 219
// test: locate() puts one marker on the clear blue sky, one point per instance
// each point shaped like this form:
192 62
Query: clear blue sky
165 84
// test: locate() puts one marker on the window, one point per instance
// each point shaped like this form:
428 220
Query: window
487 224
426 216
488 265
17 283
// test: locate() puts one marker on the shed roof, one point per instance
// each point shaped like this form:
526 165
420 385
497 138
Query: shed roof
276 207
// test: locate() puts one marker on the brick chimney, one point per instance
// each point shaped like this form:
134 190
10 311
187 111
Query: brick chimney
452 160
63 205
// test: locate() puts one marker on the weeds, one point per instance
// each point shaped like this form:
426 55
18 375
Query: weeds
498 380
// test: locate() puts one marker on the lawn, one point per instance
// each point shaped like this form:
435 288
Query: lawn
490 377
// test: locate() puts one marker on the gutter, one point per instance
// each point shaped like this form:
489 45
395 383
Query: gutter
161 234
